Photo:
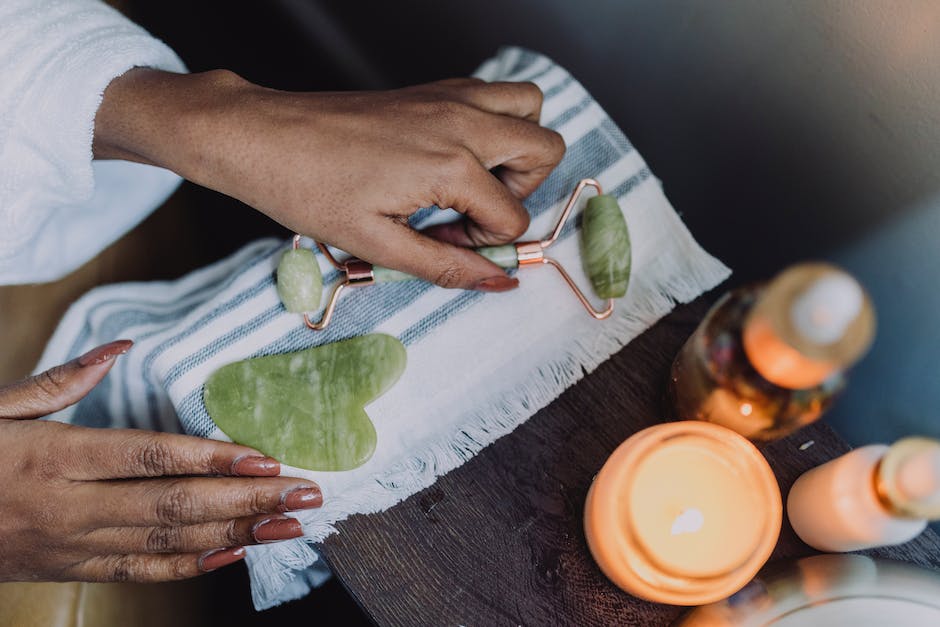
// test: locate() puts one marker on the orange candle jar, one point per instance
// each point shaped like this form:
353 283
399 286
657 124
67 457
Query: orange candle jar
684 513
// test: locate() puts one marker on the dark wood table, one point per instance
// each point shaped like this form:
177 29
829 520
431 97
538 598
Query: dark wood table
499 541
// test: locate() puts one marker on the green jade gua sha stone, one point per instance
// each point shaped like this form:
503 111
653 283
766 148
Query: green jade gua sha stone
307 409
605 246
299 280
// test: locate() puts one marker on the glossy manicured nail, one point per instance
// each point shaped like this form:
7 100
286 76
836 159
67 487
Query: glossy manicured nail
302 498
279 528
217 558
105 352
256 466
497 284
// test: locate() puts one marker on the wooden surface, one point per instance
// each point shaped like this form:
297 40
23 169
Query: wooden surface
499 541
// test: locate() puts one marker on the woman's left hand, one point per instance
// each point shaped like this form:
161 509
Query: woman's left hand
127 505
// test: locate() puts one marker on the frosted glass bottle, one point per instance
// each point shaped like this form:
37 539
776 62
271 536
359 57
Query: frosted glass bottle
873 496
770 358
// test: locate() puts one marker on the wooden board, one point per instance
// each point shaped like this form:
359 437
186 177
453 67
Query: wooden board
499 541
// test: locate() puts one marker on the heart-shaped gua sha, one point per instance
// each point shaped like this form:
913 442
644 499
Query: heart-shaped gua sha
307 409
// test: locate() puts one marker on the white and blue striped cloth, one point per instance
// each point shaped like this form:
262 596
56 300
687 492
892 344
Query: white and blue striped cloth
478 364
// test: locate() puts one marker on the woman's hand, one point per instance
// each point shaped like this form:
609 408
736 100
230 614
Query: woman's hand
126 505
349 168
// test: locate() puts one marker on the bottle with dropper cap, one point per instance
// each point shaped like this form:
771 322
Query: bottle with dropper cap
873 496
770 358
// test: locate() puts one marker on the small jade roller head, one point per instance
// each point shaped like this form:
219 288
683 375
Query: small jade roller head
299 280
605 249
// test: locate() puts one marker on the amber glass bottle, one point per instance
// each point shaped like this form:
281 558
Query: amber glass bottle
770 358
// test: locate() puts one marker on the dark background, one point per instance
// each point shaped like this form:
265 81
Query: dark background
781 131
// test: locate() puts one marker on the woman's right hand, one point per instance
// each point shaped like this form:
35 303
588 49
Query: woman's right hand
124 505
349 169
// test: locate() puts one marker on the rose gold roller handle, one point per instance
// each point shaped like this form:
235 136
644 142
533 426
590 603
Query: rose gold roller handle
360 273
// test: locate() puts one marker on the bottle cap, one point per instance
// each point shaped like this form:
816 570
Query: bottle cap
908 479
823 312
811 320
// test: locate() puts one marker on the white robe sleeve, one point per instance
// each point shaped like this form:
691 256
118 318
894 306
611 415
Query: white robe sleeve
58 207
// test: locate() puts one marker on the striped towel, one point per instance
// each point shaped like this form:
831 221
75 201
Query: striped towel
478 364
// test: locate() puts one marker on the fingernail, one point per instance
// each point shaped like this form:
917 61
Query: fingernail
302 498
280 528
217 558
105 352
256 466
497 284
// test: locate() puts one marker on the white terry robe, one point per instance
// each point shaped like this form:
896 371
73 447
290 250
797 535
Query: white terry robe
58 207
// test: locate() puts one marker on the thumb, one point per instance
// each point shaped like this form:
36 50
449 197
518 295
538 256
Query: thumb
61 386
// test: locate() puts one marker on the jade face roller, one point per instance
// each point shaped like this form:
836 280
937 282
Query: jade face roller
605 249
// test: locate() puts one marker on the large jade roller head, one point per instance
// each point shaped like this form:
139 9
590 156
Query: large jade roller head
605 248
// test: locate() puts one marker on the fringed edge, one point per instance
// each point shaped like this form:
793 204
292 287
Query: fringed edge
275 570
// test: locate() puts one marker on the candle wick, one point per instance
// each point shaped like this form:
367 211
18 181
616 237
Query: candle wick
689 521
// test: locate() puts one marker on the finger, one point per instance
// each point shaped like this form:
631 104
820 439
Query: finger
189 501
524 153
130 453
61 386
494 215
519 100
192 538
469 234
454 232
394 244
151 568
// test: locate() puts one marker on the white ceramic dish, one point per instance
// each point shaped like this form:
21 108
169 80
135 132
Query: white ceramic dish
828 591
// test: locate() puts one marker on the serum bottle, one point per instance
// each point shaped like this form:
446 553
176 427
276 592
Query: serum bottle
770 358
873 496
